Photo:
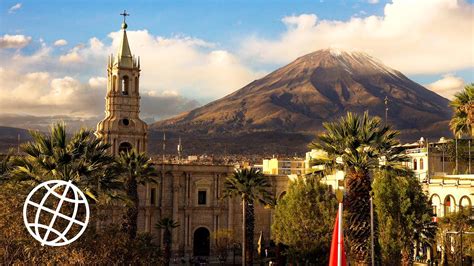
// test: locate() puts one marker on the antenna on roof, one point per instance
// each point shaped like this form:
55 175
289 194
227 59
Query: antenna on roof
164 145
18 146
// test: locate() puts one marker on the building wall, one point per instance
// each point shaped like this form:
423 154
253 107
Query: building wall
450 193
176 196
274 166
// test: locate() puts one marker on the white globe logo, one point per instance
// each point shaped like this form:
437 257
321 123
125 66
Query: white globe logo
42 221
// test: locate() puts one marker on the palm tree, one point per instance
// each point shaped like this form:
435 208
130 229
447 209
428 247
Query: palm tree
462 104
82 158
250 185
167 224
5 165
358 145
137 169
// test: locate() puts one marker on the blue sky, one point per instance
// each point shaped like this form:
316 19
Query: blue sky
197 51
218 21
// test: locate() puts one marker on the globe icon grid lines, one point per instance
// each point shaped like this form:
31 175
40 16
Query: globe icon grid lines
51 186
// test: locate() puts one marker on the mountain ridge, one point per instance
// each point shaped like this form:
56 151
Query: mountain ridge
317 87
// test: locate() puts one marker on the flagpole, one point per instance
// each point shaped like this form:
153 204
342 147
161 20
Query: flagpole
340 243
339 236
337 257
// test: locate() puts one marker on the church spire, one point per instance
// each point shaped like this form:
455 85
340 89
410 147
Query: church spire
124 55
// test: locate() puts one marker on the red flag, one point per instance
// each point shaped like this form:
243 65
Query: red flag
337 256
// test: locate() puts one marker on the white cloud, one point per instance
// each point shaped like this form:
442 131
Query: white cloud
42 94
71 57
373 1
432 36
14 41
14 8
98 82
60 42
415 37
447 86
74 83
187 65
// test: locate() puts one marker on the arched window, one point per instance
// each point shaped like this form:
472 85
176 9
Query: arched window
414 164
125 85
114 83
421 163
465 204
436 204
449 205
136 84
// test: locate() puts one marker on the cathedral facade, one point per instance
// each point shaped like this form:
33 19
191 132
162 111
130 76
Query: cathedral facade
190 194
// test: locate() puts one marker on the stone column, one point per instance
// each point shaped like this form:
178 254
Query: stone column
175 191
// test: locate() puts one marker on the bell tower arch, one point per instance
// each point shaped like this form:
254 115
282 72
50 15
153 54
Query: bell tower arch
122 127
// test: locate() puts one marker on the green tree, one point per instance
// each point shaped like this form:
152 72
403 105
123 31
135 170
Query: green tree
250 185
404 216
224 239
167 225
462 104
358 145
386 200
304 220
137 169
82 159
5 166
451 243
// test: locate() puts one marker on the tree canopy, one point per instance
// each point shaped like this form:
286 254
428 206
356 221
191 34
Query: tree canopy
304 220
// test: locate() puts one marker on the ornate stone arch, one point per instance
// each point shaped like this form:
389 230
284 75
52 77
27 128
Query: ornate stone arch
449 203
465 202
201 241
436 203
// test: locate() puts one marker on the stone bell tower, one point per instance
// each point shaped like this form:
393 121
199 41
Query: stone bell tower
122 127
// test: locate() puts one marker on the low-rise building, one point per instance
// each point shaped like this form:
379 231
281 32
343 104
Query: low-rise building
447 191
450 193
432 167
284 166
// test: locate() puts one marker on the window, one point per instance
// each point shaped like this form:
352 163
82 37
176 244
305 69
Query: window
136 84
114 83
125 85
414 164
152 196
421 163
125 122
201 197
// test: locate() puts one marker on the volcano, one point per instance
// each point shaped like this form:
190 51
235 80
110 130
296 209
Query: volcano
318 87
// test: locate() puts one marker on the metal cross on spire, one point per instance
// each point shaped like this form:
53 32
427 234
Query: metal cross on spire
124 14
